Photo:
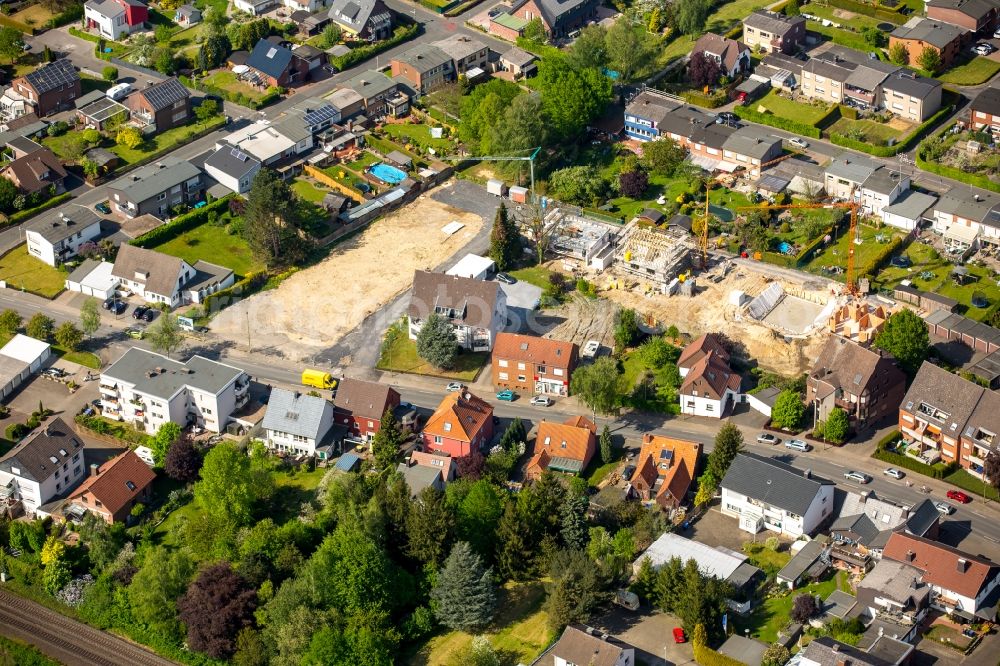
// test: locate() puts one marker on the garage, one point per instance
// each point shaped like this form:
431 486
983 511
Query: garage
93 278
19 358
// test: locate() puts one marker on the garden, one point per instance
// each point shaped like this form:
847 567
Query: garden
419 135
399 354
774 614
877 245
24 272
217 242
227 81
878 131
781 105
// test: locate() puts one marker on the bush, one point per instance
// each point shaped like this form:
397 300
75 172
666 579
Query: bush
110 73
752 115
906 462
15 431
181 224
243 288
848 112
72 13
706 656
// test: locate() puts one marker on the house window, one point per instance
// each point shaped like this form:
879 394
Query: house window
558 372
502 376
437 439
502 363
540 370
161 196
520 366
520 378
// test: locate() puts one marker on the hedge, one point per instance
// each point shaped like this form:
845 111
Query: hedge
23 654
906 462
72 13
22 215
706 101
243 288
362 53
891 438
752 115
848 112
76 32
899 147
706 656
180 224
879 259
235 97
890 15
17 25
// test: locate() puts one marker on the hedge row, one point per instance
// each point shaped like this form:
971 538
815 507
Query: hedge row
895 149
362 53
17 25
906 462
180 224
71 14
76 32
752 115
879 259
706 101
848 112
22 215
706 656
243 288
883 14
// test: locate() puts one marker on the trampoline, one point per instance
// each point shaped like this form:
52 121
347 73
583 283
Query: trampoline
387 174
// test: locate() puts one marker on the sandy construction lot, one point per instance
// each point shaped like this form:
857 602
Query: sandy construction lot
314 308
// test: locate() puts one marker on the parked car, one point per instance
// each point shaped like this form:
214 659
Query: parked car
506 396
983 49
107 303
679 636
727 117
135 333
454 386
996 34
139 311
149 315
541 401
506 279
118 306
860 477
798 143
944 508
96 403
590 349
797 445
103 208
958 496
767 438
57 373
894 473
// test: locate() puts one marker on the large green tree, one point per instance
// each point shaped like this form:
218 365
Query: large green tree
156 586
429 527
168 435
482 109
607 453
436 342
597 384
574 532
165 335
701 600
571 97
386 443
663 156
788 410
11 43
521 129
505 242
728 443
10 320
837 426
228 487
40 327
905 337
576 589
478 514
271 220
628 49
590 50
929 59
691 15
465 595
68 336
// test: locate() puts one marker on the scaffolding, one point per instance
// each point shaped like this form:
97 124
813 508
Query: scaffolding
653 255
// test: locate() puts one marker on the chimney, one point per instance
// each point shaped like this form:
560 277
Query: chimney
95 469
962 565
807 473
835 647
910 556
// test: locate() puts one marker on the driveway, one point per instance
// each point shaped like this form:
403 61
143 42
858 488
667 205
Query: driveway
650 633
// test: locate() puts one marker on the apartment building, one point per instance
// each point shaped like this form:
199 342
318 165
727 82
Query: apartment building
912 97
56 236
531 364
984 112
866 383
157 188
468 53
477 310
42 466
770 32
147 390
920 33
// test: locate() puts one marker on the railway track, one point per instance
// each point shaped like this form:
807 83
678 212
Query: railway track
70 641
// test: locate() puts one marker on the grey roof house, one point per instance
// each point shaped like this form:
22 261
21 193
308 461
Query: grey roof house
57 235
297 423
157 188
232 168
476 309
44 465
366 19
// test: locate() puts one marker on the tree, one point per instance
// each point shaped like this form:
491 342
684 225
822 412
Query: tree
213 51
792 8
10 320
728 443
165 335
633 183
597 384
929 59
804 607
663 156
991 469
505 246
707 485
700 600
899 55
429 527
183 461
11 43
607 454
385 445
270 221
776 654
514 556
691 15
129 137
436 342
837 426
788 410
626 329
8 192
218 604
535 31
330 36
464 595
590 48
207 109
905 337
873 36
156 586
574 522
522 127
110 73
227 489
167 436
575 590
704 70
68 336
480 652
40 327
90 316
580 184
627 49
571 98
47 54
478 514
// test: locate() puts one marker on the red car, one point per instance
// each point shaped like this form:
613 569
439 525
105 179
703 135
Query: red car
958 496
679 636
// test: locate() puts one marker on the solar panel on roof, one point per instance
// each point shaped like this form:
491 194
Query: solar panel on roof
239 154
321 115
51 76
271 52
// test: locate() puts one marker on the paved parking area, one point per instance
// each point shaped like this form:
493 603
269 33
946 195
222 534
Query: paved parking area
650 632
715 529
521 295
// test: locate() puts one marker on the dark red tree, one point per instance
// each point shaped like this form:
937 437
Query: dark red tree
804 608
704 70
183 461
470 466
633 183
217 605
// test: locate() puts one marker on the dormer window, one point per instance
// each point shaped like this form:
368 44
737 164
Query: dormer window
447 427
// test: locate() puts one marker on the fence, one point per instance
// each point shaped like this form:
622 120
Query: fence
333 183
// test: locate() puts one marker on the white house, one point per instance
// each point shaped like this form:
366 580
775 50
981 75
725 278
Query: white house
967 213
262 141
710 387
766 494
477 310
582 646
909 211
232 168
111 19
254 7
310 6
882 188
296 423
47 463
57 236
147 390
160 278
846 174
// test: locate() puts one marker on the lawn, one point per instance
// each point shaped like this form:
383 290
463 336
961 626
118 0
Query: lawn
767 560
976 71
292 489
210 242
520 632
34 15
86 359
536 275
875 133
401 356
168 532
810 114
363 162
966 481
835 254
859 22
309 191
770 617
226 80
730 13
65 145
640 385
419 135
22 271
164 141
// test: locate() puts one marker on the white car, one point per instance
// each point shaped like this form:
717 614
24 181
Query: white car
944 508
541 401
767 438
454 386
590 349
797 445
894 473
983 49
798 143
860 477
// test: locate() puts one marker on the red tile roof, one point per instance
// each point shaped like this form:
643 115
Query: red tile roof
578 440
694 352
117 482
711 376
460 416
942 565
672 460
541 351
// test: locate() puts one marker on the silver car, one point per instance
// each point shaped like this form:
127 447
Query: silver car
860 477
894 473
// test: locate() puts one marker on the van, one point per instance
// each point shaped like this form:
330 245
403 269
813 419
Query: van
318 379
119 92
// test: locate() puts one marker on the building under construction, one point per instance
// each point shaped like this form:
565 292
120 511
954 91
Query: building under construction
653 255
583 238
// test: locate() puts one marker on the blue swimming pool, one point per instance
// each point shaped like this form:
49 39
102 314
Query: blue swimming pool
784 247
387 174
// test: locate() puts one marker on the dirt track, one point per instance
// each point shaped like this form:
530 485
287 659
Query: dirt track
316 307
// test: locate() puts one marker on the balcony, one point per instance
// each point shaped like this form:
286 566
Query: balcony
851 556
